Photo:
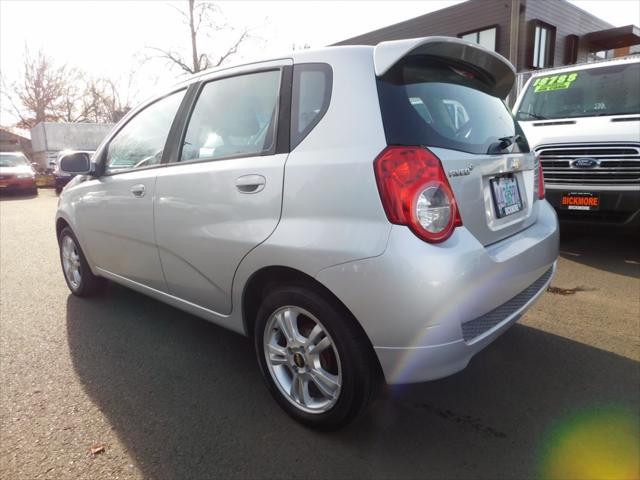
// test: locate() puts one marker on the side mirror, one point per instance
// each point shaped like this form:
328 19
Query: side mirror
78 163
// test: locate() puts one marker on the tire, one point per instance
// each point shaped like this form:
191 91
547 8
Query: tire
72 260
348 358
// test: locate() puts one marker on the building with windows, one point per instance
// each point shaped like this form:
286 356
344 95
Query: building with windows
532 34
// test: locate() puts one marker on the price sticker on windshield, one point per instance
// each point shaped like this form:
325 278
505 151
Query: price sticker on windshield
555 82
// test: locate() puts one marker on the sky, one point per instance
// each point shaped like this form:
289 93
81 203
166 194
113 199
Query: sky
113 38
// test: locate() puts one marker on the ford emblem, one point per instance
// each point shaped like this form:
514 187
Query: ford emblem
585 163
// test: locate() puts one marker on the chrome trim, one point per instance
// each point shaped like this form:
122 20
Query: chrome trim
559 163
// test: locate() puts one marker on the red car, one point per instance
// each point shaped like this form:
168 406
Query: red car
16 173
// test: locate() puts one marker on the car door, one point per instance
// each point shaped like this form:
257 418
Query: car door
115 212
222 196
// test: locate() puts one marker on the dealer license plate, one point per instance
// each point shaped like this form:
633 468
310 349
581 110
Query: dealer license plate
580 201
506 195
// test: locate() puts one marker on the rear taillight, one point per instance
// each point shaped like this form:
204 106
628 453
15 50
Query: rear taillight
415 192
540 181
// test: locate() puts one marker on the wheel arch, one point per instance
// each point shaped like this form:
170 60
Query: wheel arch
268 277
61 223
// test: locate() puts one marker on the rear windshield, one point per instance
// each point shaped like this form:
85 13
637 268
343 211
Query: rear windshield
425 101
8 160
599 91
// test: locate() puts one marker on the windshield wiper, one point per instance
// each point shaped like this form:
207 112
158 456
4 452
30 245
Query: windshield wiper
503 143
533 115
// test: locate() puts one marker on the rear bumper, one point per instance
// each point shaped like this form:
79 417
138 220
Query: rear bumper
418 364
617 207
17 184
427 309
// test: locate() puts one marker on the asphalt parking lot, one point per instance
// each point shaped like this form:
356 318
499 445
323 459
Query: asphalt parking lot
169 396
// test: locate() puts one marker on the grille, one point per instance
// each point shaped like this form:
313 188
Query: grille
478 326
617 164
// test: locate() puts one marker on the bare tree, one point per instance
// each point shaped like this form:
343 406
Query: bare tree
109 99
71 105
50 93
37 97
202 18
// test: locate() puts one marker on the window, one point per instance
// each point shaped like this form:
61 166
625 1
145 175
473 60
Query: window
486 38
543 45
425 101
310 98
599 55
234 116
13 160
141 141
597 91
571 49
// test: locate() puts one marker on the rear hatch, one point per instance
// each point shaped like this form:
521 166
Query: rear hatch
446 95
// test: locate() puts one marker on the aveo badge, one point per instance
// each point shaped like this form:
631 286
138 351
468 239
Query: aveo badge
460 172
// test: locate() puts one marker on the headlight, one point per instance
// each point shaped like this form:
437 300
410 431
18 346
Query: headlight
26 175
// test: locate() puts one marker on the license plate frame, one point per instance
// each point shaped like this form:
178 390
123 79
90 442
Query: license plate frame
505 192
580 201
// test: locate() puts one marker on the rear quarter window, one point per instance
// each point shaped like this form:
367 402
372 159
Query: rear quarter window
311 95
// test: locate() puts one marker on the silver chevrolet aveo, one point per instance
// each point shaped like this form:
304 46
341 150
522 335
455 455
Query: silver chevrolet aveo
362 213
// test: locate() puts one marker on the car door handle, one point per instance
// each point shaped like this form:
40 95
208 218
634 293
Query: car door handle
138 190
250 183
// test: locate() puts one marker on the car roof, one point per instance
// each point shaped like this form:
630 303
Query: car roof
296 56
324 54
383 55
589 66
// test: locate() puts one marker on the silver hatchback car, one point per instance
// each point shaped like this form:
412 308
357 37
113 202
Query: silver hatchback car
362 213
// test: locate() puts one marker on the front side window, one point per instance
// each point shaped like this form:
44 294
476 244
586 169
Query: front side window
233 117
486 38
141 141
426 101
598 91
543 48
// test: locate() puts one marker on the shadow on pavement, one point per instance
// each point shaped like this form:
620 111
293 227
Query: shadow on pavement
9 195
615 251
187 400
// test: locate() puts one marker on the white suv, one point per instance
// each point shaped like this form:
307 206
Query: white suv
362 213
583 122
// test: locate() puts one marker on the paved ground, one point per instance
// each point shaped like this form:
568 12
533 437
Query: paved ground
173 397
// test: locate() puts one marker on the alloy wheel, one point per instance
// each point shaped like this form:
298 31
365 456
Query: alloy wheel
71 262
302 359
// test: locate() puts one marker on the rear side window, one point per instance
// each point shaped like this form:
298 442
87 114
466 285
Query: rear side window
425 101
311 94
233 117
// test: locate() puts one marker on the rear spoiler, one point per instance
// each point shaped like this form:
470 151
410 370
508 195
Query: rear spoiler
498 68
